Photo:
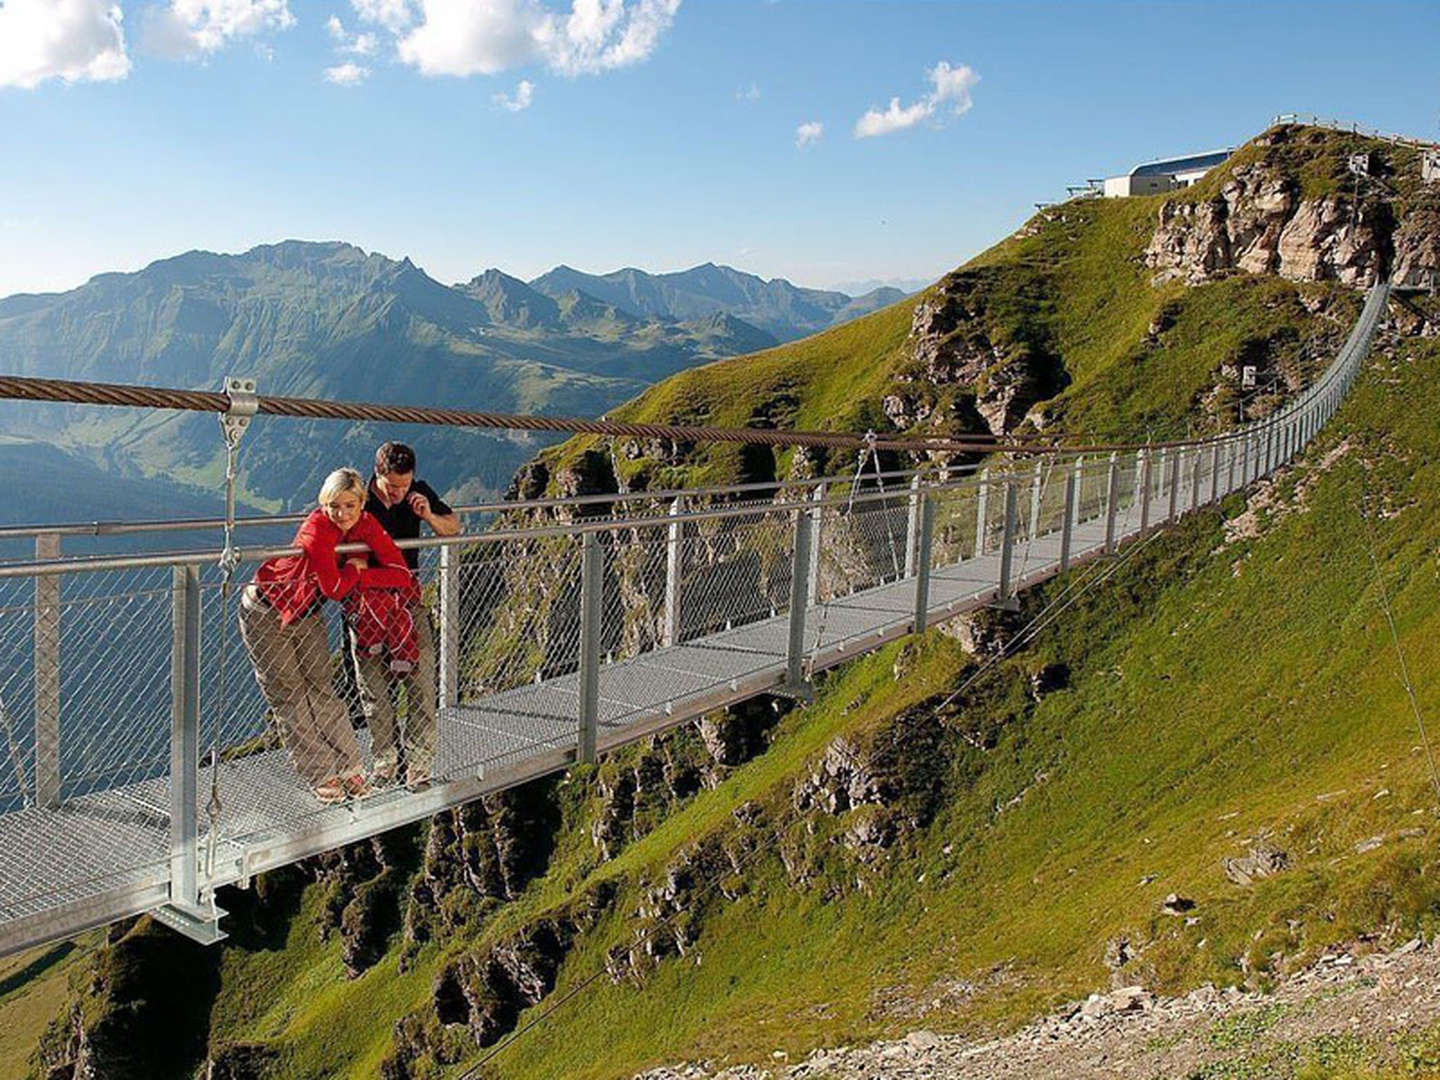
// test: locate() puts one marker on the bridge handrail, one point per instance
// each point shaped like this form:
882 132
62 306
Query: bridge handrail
725 601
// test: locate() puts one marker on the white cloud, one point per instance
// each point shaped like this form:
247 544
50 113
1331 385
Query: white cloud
748 93
393 15
189 28
602 34
950 85
485 37
808 134
524 95
346 42
347 74
73 40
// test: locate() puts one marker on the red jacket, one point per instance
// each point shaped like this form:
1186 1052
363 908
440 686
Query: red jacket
382 622
293 583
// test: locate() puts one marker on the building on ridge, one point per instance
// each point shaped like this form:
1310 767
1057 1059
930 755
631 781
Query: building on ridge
1167 174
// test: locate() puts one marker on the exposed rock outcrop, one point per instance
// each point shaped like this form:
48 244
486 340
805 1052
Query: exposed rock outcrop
952 345
1260 223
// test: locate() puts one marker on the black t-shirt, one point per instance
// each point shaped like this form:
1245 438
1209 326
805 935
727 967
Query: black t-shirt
399 520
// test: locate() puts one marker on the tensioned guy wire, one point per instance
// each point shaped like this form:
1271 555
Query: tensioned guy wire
1395 635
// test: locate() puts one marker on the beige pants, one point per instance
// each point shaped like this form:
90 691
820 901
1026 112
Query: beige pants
292 666
378 687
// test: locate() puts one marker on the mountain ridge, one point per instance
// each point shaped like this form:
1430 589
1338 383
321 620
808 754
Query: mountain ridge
329 319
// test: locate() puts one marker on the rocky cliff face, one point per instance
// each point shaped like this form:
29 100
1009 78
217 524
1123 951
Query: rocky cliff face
965 372
1262 222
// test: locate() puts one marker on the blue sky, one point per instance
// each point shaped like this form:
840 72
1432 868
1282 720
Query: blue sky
654 133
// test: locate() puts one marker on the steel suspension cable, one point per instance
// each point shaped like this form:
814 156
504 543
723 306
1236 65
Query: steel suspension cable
63 391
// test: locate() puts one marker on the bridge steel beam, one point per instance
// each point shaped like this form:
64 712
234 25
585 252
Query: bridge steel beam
592 584
1007 544
799 575
923 544
449 626
1177 464
1142 487
982 506
1067 521
184 733
674 567
912 525
1112 496
47 675
817 536
1035 499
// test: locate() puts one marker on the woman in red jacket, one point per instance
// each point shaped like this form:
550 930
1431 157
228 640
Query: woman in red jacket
281 625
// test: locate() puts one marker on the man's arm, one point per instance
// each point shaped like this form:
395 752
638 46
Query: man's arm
434 511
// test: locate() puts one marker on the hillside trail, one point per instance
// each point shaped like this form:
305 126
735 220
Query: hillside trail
1344 1014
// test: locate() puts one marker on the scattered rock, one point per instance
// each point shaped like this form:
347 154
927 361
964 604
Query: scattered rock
1262 861
1175 904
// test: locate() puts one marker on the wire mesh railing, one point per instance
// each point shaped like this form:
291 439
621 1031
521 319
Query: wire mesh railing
159 725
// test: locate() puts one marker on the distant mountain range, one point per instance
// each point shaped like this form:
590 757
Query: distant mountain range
330 320
905 285
775 306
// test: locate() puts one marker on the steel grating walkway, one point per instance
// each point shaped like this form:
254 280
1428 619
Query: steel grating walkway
123 868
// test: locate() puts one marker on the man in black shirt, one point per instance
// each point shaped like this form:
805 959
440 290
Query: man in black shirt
400 503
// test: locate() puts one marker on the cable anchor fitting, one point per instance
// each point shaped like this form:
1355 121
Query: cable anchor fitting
244 404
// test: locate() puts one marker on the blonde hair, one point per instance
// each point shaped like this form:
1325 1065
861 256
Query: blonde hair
339 482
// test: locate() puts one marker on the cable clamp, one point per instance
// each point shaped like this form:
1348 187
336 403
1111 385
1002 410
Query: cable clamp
244 404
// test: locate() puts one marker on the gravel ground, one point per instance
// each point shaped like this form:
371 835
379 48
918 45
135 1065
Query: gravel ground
1344 1012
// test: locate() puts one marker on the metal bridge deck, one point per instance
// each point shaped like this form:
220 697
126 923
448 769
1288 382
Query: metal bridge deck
496 742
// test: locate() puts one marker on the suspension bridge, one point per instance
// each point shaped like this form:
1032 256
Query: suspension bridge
139 772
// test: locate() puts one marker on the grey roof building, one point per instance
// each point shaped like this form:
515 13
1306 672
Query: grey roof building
1166 174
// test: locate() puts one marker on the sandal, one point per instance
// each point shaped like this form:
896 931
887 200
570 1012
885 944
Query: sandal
384 773
357 785
417 779
332 791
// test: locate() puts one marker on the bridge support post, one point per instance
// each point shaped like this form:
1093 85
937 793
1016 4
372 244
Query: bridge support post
674 565
1214 473
1162 480
1067 522
912 525
923 547
982 507
1231 450
1112 496
184 733
47 675
1142 488
1177 465
1245 441
1197 471
817 533
185 913
799 575
449 626
592 581
1007 598
1035 500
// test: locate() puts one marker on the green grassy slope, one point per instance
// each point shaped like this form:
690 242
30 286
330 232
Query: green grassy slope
1218 693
